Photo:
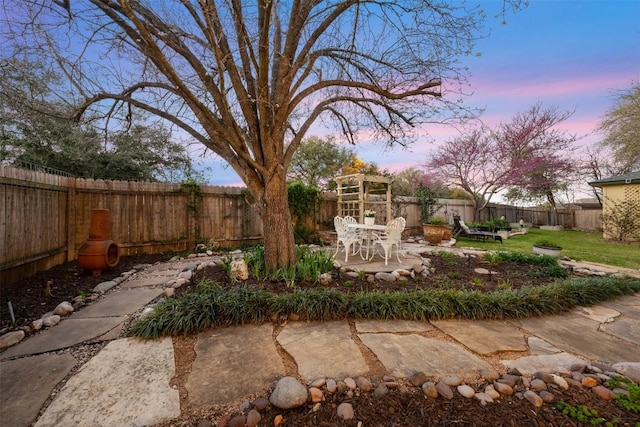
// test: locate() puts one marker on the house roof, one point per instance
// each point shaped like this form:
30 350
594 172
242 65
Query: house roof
629 178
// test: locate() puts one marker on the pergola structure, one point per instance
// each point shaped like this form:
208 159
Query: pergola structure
359 192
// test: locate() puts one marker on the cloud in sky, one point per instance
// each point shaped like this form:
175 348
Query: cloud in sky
573 55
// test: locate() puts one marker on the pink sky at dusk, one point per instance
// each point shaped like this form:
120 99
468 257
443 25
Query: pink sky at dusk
573 55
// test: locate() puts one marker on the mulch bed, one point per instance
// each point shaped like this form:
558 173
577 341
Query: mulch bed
410 408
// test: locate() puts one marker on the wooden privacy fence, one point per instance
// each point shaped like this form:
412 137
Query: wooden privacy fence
572 218
46 218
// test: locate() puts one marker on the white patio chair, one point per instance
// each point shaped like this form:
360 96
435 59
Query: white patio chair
391 236
346 235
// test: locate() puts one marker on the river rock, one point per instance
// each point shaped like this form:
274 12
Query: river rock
418 378
503 388
491 391
189 274
546 396
444 390
326 278
466 391
603 393
63 309
253 418
364 384
385 277
484 398
239 270
510 380
538 384
37 324
560 382
350 383
380 391
630 370
11 338
105 286
451 380
533 397
260 403
345 411
288 393
316 394
51 320
238 421
331 385
544 376
429 389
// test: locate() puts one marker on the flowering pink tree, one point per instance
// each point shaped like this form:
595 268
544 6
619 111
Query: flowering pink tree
542 164
527 154
472 162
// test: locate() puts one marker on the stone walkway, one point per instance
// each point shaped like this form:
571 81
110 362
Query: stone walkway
128 383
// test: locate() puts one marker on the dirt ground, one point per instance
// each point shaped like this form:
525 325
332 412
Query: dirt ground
404 406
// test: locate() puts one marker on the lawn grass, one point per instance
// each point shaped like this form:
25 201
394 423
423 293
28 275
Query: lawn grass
578 245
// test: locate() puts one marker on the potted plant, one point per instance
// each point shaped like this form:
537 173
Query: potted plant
435 228
369 217
546 247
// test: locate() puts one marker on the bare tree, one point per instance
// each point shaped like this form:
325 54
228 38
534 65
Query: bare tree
621 127
248 79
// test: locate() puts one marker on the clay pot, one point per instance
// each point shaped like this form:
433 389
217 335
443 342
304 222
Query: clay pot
447 232
432 233
98 252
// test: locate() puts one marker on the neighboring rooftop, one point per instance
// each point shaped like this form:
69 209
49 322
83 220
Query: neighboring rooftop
633 177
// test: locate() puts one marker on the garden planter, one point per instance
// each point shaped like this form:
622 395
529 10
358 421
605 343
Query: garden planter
553 251
433 233
447 232
98 252
369 220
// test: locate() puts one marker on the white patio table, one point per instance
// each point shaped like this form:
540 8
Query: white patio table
369 229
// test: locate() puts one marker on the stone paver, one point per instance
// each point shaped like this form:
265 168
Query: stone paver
323 349
579 335
119 303
377 264
377 326
626 328
539 347
484 337
231 363
528 365
125 384
404 355
67 333
626 310
25 384
156 279
598 313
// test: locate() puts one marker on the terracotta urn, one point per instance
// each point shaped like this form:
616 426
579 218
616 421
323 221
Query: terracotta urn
99 252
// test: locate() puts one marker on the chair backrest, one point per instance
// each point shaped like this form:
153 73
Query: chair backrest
403 221
350 220
394 229
340 225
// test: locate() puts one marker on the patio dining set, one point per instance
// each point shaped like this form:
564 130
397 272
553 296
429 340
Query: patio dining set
367 239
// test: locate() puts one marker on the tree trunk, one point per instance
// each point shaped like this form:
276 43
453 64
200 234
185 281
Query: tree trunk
279 243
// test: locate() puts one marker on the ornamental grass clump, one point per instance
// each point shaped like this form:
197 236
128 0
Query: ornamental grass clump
213 305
